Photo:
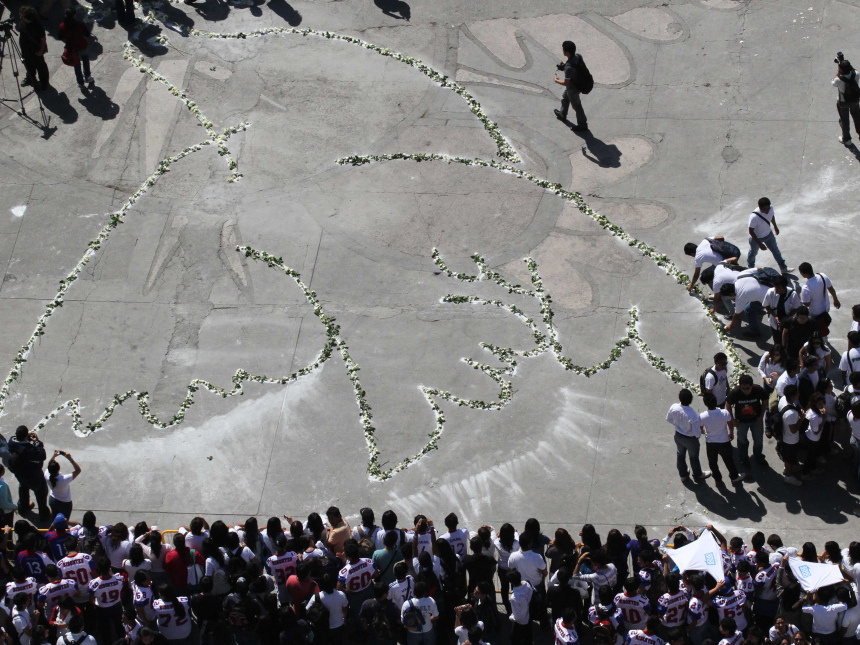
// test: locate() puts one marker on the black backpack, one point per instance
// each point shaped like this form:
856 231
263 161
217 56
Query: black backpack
702 387
724 249
777 427
318 614
765 276
381 626
851 94
584 80
602 632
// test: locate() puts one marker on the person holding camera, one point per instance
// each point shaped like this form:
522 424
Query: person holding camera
848 102
60 499
27 454
571 92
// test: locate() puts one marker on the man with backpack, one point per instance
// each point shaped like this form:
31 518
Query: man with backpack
761 235
711 250
715 379
848 102
787 430
418 615
780 302
379 617
850 360
576 80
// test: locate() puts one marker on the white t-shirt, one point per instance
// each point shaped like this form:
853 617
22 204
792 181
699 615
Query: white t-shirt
854 424
437 566
706 255
368 533
194 541
529 564
504 554
399 592
459 541
685 419
760 222
61 491
789 418
766 367
825 618
171 626
21 620
820 352
771 299
428 609
717 385
715 425
816 421
748 289
723 275
463 634
852 355
335 602
855 326
814 294
783 381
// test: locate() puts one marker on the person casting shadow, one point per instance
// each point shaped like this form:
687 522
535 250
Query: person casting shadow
394 7
605 155
282 8
98 103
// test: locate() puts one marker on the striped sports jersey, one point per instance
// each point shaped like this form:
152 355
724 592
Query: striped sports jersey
82 569
106 590
747 585
142 598
735 639
565 635
731 606
765 583
282 567
171 626
635 609
29 587
697 612
357 577
639 637
673 609
51 593
616 619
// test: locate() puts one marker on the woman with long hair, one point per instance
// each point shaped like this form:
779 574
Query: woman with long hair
250 537
539 540
60 499
273 530
135 561
561 545
173 616
771 366
618 552
506 543
156 552
117 546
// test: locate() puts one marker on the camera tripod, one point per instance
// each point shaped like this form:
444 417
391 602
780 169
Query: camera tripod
11 52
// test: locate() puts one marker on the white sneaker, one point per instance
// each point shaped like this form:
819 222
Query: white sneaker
788 270
793 481
89 79
705 474
844 140
739 478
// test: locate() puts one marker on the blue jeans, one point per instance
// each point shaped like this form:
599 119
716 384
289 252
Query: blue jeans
421 638
753 313
855 446
769 241
757 430
688 445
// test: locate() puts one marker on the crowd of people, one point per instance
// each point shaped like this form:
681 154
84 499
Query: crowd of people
323 582
796 401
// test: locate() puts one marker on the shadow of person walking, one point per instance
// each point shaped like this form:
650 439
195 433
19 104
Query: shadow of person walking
394 7
605 155
283 9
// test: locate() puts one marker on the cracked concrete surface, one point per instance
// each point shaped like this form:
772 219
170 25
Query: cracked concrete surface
700 108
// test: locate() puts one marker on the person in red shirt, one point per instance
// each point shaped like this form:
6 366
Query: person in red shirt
176 564
301 586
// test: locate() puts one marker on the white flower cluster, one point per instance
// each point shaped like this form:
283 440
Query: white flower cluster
660 259
219 139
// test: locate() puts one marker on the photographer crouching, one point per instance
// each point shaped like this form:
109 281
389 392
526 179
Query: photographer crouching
26 456
849 97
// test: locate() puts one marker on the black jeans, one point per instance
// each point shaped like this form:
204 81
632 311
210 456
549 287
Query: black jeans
36 67
844 110
724 451
571 97
124 10
521 634
38 485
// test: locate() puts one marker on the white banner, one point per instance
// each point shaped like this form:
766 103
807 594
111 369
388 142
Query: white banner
814 575
702 555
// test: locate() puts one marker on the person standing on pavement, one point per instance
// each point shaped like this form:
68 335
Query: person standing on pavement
688 429
7 506
34 46
747 403
780 302
571 92
60 499
761 235
717 425
814 297
26 463
848 102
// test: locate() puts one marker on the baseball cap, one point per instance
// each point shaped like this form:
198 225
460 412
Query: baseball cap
60 521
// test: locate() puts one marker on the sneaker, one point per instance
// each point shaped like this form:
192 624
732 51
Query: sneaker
27 81
788 270
685 478
792 481
739 478
89 79
705 474
560 116
844 140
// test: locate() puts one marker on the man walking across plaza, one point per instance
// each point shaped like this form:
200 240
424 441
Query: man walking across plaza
688 429
814 297
848 102
746 407
761 235
571 91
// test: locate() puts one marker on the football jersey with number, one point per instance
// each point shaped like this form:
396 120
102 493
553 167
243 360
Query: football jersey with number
459 541
747 585
635 609
765 583
731 606
171 626
51 593
82 569
697 612
356 577
673 608
34 564
565 635
735 639
106 591
639 637
282 567
142 598
29 587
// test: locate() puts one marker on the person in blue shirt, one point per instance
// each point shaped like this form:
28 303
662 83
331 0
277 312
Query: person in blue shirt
7 506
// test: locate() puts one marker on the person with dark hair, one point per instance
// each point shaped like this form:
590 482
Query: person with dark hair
27 454
379 617
31 559
418 615
521 601
56 588
603 572
241 611
135 562
338 606
249 536
761 235
34 46
155 552
74 33
106 591
814 296
825 615
647 636
76 634
506 544
565 628
532 568
573 67
300 585
634 606
385 558
748 294
338 532
457 538
716 379
746 405
561 546
849 363
730 633
688 429
717 425
780 302
797 330
178 562
848 101
206 612
705 253
672 605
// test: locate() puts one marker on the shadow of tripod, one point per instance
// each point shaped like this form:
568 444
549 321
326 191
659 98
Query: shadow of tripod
11 52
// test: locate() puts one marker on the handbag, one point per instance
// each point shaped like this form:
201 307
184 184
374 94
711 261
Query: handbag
70 57
824 318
